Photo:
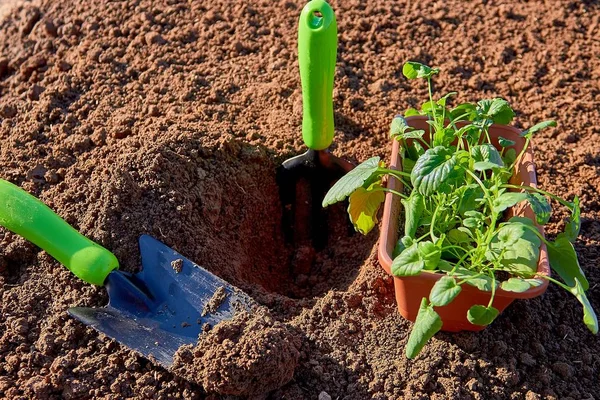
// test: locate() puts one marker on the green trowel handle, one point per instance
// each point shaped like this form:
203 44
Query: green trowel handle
28 217
317 48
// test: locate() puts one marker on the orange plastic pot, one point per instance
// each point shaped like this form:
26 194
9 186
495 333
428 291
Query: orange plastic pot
410 290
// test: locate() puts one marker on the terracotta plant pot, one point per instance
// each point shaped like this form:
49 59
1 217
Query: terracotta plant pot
410 290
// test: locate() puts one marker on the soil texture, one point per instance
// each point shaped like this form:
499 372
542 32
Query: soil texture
250 355
169 118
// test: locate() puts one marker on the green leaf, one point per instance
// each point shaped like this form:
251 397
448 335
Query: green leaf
399 248
398 126
456 236
407 241
589 315
510 156
574 224
415 150
444 99
444 291
469 198
430 254
515 247
413 210
481 315
443 137
407 165
497 110
351 181
458 112
505 142
411 112
486 153
471 222
541 207
517 285
466 230
433 169
563 260
509 234
413 70
427 324
399 129
363 208
429 107
470 131
484 166
475 214
473 278
409 262
508 199
537 127
534 282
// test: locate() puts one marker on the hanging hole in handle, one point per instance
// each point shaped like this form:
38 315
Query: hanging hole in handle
316 19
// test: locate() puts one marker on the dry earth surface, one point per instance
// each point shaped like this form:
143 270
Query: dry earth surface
169 118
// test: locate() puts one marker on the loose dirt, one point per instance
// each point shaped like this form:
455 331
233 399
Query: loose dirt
249 355
215 301
169 118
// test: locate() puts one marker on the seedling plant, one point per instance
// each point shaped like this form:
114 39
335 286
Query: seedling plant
455 193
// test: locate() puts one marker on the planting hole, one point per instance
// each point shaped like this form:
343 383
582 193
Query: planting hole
316 20
220 208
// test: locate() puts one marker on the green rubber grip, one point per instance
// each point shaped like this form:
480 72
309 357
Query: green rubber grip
317 49
28 217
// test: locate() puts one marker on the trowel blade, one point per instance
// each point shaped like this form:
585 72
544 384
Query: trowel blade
163 306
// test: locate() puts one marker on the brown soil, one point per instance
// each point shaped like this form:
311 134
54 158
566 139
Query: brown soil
247 356
170 117
215 301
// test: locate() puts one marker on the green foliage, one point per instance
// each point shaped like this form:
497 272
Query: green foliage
427 324
505 142
481 315
409 262
413 210
497 110
540 206
399 129
456 191
563 261
433 169
352 181
538 127
413 70
444 291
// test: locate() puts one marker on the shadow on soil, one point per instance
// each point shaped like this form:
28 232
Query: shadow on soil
220 208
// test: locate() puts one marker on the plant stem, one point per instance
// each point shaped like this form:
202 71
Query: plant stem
531 188
383 189
559 283
525 146
433 237
493 290
394 172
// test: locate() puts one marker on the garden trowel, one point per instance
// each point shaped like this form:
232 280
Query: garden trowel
317 48
154 311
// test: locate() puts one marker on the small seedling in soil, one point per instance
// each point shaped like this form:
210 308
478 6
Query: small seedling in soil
456 189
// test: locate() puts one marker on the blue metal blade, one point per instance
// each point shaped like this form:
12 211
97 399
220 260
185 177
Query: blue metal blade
160 308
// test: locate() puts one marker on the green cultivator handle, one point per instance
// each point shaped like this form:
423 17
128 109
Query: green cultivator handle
28 217
317 48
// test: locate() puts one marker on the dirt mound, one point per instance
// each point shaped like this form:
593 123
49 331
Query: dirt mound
169 118
249 355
